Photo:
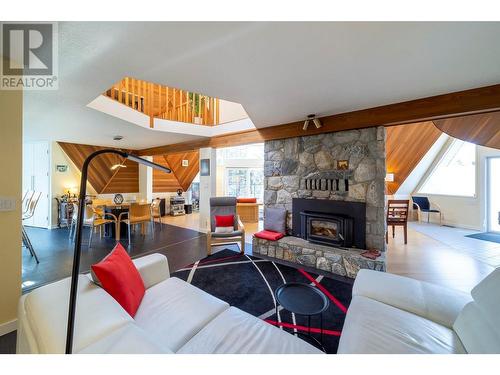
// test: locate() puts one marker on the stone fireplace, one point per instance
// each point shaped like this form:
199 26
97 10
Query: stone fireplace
332 186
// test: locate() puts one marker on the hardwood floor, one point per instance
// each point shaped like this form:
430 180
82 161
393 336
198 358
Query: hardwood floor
429 259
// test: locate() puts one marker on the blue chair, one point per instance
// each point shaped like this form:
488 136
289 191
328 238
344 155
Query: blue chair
422 204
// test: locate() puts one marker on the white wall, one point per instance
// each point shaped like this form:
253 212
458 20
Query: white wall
146 181
60 182
465 212
207 185
230 111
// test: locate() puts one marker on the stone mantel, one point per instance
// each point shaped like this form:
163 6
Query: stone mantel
343 262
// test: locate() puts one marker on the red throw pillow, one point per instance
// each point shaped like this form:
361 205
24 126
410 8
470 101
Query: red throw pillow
224 221
269 235
120 278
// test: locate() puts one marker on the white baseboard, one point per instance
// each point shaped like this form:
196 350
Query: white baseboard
8 327
460 226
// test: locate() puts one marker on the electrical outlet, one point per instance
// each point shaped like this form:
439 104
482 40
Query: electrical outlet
7 204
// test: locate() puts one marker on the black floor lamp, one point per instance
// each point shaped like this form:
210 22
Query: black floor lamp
78 236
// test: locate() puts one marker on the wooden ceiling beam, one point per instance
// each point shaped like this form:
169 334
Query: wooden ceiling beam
478 100
481 129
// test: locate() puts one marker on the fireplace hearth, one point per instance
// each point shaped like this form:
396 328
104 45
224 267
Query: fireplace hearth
327 229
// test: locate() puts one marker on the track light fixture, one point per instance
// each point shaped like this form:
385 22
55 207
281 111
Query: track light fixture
315 121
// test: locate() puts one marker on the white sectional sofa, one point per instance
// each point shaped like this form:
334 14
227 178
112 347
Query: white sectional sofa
393 314
174 317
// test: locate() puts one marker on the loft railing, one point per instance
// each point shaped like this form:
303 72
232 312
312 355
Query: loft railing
158 101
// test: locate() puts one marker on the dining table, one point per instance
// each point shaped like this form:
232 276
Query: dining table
116 209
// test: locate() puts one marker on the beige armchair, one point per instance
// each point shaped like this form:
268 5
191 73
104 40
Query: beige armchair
225 206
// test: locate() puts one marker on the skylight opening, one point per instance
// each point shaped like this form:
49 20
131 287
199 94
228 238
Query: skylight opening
167 103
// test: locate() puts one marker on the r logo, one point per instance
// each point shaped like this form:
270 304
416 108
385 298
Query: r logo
29 48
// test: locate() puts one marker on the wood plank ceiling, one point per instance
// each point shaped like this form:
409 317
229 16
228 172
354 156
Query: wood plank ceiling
482 129
100 173
126 180
406 145
181 176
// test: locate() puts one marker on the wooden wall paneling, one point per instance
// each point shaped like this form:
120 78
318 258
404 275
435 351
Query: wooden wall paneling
126 180
181 177
100 175
481 129
406 145
185 175
164 182
99 172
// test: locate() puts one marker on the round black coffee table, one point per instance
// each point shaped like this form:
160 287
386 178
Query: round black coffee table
303 299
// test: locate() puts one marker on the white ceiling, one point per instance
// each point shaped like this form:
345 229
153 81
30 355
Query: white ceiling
279 72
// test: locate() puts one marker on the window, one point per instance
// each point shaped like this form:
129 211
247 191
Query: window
245 182
247 152
455 173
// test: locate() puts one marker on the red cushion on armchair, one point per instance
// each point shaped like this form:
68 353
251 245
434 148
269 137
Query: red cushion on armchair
120 278
269 235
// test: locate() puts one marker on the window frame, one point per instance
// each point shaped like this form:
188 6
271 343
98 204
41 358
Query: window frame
247 171
435 164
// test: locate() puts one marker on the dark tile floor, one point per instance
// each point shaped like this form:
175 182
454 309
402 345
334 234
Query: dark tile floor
181 246
55 251
8 343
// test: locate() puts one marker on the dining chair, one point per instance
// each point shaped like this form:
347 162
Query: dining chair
28 214
137 214
422 204
28 196
74 218
397 215
156 212
93 219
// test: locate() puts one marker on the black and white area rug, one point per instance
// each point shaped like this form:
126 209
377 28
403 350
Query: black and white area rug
249 283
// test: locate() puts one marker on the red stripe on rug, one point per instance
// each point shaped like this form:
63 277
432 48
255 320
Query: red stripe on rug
323 289
303 328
